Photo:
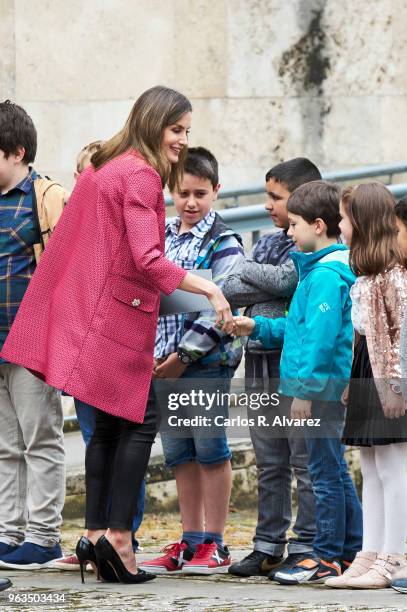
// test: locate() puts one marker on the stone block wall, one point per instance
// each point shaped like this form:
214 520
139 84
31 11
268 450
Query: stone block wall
268 79
161 491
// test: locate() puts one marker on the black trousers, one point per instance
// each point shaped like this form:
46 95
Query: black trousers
116 462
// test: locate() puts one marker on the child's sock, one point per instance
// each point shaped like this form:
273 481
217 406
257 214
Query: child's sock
216 537
193 538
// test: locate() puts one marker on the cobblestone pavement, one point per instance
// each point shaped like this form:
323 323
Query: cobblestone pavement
221 593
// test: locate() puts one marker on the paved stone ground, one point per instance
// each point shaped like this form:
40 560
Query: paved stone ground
222 593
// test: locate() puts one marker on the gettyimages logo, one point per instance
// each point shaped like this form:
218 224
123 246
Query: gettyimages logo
209 407
210 401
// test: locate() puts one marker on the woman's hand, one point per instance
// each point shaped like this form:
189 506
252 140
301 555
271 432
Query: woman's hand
197 284
224 317
244 326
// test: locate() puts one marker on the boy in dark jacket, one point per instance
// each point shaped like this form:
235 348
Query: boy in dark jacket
265 285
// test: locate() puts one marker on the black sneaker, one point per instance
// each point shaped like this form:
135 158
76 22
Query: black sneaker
309 570
289 562
255 564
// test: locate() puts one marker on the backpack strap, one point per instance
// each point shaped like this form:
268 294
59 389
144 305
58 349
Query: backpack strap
36 217
217 228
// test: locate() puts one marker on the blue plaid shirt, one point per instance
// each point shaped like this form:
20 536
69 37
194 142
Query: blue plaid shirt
18 234
183 250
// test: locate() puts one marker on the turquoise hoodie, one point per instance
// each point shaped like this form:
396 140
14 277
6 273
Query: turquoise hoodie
317 333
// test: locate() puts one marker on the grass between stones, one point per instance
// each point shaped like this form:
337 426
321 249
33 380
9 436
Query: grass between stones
157 530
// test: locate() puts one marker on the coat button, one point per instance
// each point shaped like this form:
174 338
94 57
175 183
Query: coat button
136 302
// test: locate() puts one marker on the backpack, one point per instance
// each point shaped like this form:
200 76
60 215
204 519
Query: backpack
49 199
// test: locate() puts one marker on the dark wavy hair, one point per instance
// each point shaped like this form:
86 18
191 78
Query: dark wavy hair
17 130
202 163
153 111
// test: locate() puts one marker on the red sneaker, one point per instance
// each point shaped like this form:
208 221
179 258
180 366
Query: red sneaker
67 563
209 558
170 563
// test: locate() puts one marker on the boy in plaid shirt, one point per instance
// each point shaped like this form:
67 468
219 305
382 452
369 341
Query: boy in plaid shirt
193 348
32 484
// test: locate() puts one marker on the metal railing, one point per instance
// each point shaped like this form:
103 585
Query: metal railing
339 176
255 217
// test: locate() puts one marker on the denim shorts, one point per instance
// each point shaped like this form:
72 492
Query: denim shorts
201 449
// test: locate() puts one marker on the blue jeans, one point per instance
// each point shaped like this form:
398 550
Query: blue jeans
200 448
86 419
338 509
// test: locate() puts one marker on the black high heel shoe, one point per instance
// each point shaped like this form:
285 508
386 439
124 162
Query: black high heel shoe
85 551
107 554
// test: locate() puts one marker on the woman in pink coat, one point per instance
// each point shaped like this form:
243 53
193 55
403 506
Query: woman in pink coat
88 320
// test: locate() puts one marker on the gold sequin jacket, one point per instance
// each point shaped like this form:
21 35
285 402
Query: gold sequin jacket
384 301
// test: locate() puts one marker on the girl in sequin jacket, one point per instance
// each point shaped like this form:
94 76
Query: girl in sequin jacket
376 419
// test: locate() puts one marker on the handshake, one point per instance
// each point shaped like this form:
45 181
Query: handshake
242 326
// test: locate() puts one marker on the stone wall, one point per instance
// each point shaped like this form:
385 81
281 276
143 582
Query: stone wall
161 490
268 79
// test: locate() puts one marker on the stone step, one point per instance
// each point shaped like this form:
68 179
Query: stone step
161 495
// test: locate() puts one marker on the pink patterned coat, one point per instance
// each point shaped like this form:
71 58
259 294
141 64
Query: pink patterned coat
88 320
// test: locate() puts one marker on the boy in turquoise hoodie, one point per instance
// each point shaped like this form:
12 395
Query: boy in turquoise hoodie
316 337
